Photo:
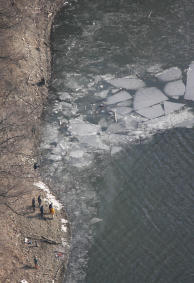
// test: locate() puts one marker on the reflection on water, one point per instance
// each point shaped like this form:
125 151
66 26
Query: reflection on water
128 196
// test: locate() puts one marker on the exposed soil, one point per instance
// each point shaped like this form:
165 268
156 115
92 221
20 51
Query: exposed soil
25 72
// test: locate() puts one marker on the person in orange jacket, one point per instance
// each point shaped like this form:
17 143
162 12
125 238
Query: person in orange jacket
52 211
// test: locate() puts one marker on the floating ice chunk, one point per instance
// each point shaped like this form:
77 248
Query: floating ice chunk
82 128
170 107
114 90
115 128
116 139
115 149
168 121
127 83
151 112
118 97
176 88
95 220
103 93
189 93
122 110
131 123
54 157
154 69
93 141
126 103
186 124
76 153
148 96
168 75
64 96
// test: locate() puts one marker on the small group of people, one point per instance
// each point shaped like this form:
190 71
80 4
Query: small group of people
51 208
52 212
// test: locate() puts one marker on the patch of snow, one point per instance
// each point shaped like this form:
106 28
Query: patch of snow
170 74
151 112
118 97
127 83
189 93
49 196
63 228
64 221
170 107
175 88
148 96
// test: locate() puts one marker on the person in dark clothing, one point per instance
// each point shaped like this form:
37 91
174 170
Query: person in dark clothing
39 201
42 211
33 204
36 166
35 262
50 206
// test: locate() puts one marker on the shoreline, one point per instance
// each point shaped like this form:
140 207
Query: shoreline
25 60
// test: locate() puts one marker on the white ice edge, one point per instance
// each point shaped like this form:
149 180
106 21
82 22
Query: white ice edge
49 196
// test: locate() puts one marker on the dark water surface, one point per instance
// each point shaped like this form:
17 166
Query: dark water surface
143 194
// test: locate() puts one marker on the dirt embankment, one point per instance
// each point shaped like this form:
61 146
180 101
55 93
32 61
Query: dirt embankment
25 71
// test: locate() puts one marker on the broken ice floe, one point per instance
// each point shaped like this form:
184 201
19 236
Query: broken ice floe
49 197
148 96
82 128
127 83
171 74
122 110
118 97
116 119
170 107
151 112
176 88
95 220
189 93
115 149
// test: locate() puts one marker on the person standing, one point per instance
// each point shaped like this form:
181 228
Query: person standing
50 206
35 262
39 200
42 211
52 212
33 204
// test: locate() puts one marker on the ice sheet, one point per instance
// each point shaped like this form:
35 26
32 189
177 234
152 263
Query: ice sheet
189 93
170 107
118 97
151 112
127 83
149 96
176 88
168 75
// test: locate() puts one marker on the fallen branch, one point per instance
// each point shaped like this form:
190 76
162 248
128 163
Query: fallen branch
43 239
